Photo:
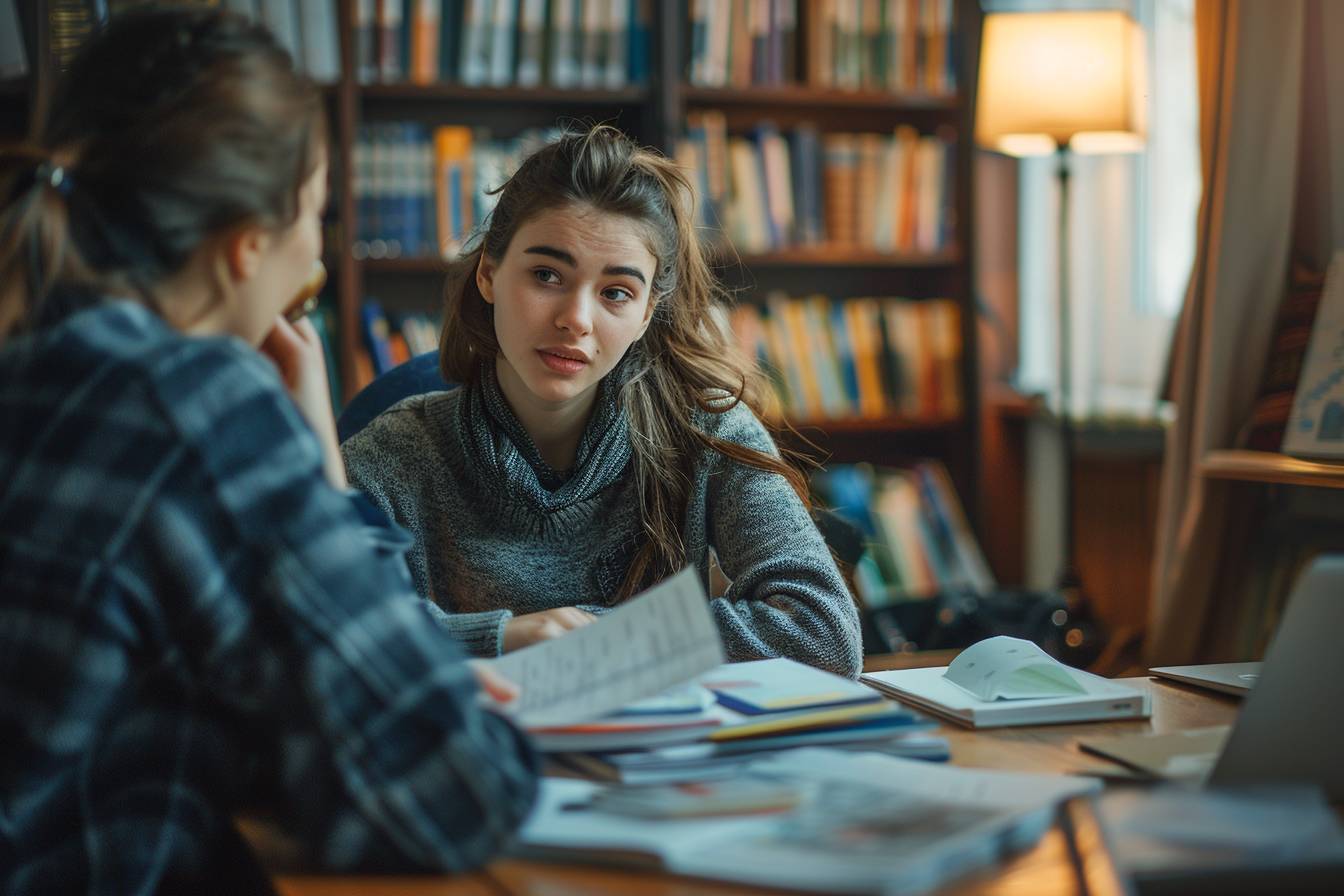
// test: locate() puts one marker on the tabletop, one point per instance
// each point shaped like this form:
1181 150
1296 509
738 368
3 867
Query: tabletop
1047 868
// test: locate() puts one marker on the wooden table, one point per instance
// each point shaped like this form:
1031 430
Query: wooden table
1045 869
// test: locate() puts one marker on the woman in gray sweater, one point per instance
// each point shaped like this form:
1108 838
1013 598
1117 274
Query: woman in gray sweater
605 434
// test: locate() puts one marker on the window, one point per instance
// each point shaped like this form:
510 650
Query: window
1132 235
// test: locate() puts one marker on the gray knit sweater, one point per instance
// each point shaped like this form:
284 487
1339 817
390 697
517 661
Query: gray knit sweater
486 548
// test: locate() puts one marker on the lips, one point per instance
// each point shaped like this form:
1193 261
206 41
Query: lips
569 354
563 360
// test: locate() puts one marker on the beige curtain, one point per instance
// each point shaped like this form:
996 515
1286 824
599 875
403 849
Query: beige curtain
1250 63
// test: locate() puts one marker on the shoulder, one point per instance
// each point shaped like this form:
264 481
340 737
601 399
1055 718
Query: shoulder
407 432
733 421
122 351
201 414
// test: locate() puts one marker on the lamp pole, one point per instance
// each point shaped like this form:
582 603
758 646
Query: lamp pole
1069 580
1081 636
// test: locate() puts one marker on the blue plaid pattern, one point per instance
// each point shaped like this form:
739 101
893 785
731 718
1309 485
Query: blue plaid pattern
191 620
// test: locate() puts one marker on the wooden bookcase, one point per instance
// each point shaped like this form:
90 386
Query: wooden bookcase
655 114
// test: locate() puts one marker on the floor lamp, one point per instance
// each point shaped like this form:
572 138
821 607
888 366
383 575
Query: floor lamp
1059 83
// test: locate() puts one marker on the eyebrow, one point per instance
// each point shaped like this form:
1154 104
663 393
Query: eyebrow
562 255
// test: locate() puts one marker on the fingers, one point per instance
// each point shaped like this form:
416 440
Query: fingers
495 686
522 631
305 330
571 617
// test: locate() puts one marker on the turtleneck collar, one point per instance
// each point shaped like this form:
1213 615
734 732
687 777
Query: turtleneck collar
504 451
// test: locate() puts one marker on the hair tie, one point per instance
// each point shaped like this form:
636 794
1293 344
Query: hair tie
54 176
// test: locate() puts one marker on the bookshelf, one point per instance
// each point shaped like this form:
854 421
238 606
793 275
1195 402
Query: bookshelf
654 110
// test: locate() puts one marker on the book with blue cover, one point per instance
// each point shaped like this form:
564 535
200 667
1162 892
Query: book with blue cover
782 685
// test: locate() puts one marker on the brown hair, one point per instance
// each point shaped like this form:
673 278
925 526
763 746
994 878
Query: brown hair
685 360
169 127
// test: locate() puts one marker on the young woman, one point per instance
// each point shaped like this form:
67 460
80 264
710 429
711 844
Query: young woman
604 435
194 614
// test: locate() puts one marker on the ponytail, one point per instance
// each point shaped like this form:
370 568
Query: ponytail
170 126
36 249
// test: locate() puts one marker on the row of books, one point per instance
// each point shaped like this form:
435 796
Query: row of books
858 358
770 190
420 192
884 45
306 28
563 43
390 339
919 541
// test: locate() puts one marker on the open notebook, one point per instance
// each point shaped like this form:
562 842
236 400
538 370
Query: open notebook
1007 681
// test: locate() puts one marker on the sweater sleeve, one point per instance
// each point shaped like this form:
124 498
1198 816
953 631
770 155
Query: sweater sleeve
787 597
372 464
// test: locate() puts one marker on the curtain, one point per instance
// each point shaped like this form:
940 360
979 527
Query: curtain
1250 72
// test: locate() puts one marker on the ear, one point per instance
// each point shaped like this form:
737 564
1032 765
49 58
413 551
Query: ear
244 249
485 278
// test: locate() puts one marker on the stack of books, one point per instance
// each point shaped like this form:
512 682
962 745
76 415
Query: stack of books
733 714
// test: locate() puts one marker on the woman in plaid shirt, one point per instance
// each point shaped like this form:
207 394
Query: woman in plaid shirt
195 613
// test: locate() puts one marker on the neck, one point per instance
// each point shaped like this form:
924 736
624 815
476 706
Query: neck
189 302
554 428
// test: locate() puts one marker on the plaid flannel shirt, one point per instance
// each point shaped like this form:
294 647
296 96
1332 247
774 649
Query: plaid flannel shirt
191 618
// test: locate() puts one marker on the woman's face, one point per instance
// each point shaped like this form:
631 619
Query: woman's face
286 263
570 296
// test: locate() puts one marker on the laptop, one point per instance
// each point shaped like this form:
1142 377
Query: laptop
1229 678
1291 726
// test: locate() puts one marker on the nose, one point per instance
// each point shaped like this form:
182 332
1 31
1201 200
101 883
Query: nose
576 312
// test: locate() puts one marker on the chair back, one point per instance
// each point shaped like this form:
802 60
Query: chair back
416 376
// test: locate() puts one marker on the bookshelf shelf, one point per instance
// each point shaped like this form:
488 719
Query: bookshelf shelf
821 257
820 98
555 96
842 426
1266 466
425 264
841 257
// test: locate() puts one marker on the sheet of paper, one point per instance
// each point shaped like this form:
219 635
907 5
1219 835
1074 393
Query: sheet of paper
663 637
1004 668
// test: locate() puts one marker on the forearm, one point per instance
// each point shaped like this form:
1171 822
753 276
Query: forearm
800 614
480 634
440 787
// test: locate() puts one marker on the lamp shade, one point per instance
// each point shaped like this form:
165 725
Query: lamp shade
1047 78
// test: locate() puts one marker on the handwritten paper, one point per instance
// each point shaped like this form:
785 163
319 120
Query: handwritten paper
660 638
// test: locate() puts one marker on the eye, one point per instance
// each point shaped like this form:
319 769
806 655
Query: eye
546 275
618 294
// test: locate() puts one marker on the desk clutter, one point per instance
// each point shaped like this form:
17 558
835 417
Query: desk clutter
773 773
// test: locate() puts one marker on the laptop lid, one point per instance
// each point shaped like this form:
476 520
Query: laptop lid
1291 726
1229 678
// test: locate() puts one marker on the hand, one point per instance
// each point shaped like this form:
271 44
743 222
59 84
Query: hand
520 631
496 687
296 351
